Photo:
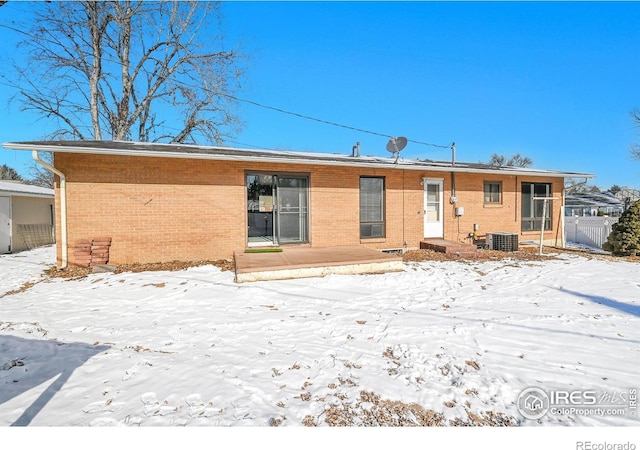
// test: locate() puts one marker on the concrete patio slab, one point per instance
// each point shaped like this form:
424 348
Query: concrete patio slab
303 262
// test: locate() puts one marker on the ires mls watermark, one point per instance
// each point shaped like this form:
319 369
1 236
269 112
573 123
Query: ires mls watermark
534 403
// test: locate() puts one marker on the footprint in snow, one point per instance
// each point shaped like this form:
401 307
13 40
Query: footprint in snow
102 406
150 402
152 406
166 410
460 330
196 406
149 399
194 400
131 372
104 422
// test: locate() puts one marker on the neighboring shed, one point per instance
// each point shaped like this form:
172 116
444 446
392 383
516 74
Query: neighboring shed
26 216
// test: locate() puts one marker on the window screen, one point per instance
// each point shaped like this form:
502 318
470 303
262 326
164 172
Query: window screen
492 192
372 207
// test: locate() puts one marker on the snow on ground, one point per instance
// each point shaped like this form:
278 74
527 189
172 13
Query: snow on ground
194 348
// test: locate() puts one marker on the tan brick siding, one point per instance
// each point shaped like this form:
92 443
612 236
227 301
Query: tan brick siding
163 209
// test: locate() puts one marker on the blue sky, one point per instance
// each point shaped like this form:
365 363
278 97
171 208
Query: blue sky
554 81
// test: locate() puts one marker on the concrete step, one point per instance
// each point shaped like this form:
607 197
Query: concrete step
450 247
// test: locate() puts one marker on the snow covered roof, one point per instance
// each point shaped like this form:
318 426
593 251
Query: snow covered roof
593 199
16 188
191 151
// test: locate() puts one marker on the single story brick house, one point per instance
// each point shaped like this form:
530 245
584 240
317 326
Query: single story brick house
166 202
26 216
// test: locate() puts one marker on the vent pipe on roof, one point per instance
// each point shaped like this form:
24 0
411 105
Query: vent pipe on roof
355 150
63 207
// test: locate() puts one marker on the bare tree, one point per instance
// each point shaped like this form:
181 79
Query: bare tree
635 148
513 161
39 175
131 70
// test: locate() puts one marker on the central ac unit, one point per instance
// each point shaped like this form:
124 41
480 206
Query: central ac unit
504 242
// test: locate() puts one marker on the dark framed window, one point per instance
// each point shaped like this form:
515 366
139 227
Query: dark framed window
372 207
532 209
493 192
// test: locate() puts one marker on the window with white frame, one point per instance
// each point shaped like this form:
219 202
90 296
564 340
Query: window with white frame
493 192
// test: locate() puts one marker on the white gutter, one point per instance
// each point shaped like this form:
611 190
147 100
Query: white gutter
63 207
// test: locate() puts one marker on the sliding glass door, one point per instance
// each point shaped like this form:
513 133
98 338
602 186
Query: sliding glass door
292 210
260 193
277 209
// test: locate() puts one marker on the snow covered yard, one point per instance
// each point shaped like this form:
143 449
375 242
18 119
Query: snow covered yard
443 342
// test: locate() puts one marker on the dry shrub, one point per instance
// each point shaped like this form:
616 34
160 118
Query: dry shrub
372 411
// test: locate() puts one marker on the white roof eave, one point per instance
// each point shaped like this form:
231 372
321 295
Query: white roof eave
337 160
24 194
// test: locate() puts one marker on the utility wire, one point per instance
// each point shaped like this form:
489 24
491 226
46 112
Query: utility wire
327 122
273 108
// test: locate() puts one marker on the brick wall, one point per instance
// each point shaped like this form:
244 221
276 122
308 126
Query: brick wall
495 217
161 209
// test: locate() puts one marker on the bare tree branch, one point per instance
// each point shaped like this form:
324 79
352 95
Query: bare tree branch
151 71
39 175
635 148
513 161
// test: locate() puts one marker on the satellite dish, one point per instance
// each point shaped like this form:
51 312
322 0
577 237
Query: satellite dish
396 144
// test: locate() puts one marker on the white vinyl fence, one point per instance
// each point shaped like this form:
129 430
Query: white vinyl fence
591 231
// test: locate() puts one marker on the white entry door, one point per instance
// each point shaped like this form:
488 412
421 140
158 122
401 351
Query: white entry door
5 225
433 207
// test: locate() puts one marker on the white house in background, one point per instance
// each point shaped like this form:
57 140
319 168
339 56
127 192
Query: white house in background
27 216
587 204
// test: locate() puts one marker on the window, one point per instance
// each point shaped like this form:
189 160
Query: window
433 202
372 207
277 208
532 209
492 192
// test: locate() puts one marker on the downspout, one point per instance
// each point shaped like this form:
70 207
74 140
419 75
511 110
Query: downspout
563 240
63 207
454 198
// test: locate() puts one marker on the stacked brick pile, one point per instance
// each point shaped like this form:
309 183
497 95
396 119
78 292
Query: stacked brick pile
82 253
100 250
92 252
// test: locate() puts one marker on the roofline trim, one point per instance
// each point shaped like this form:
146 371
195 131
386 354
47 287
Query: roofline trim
25 194
351 162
